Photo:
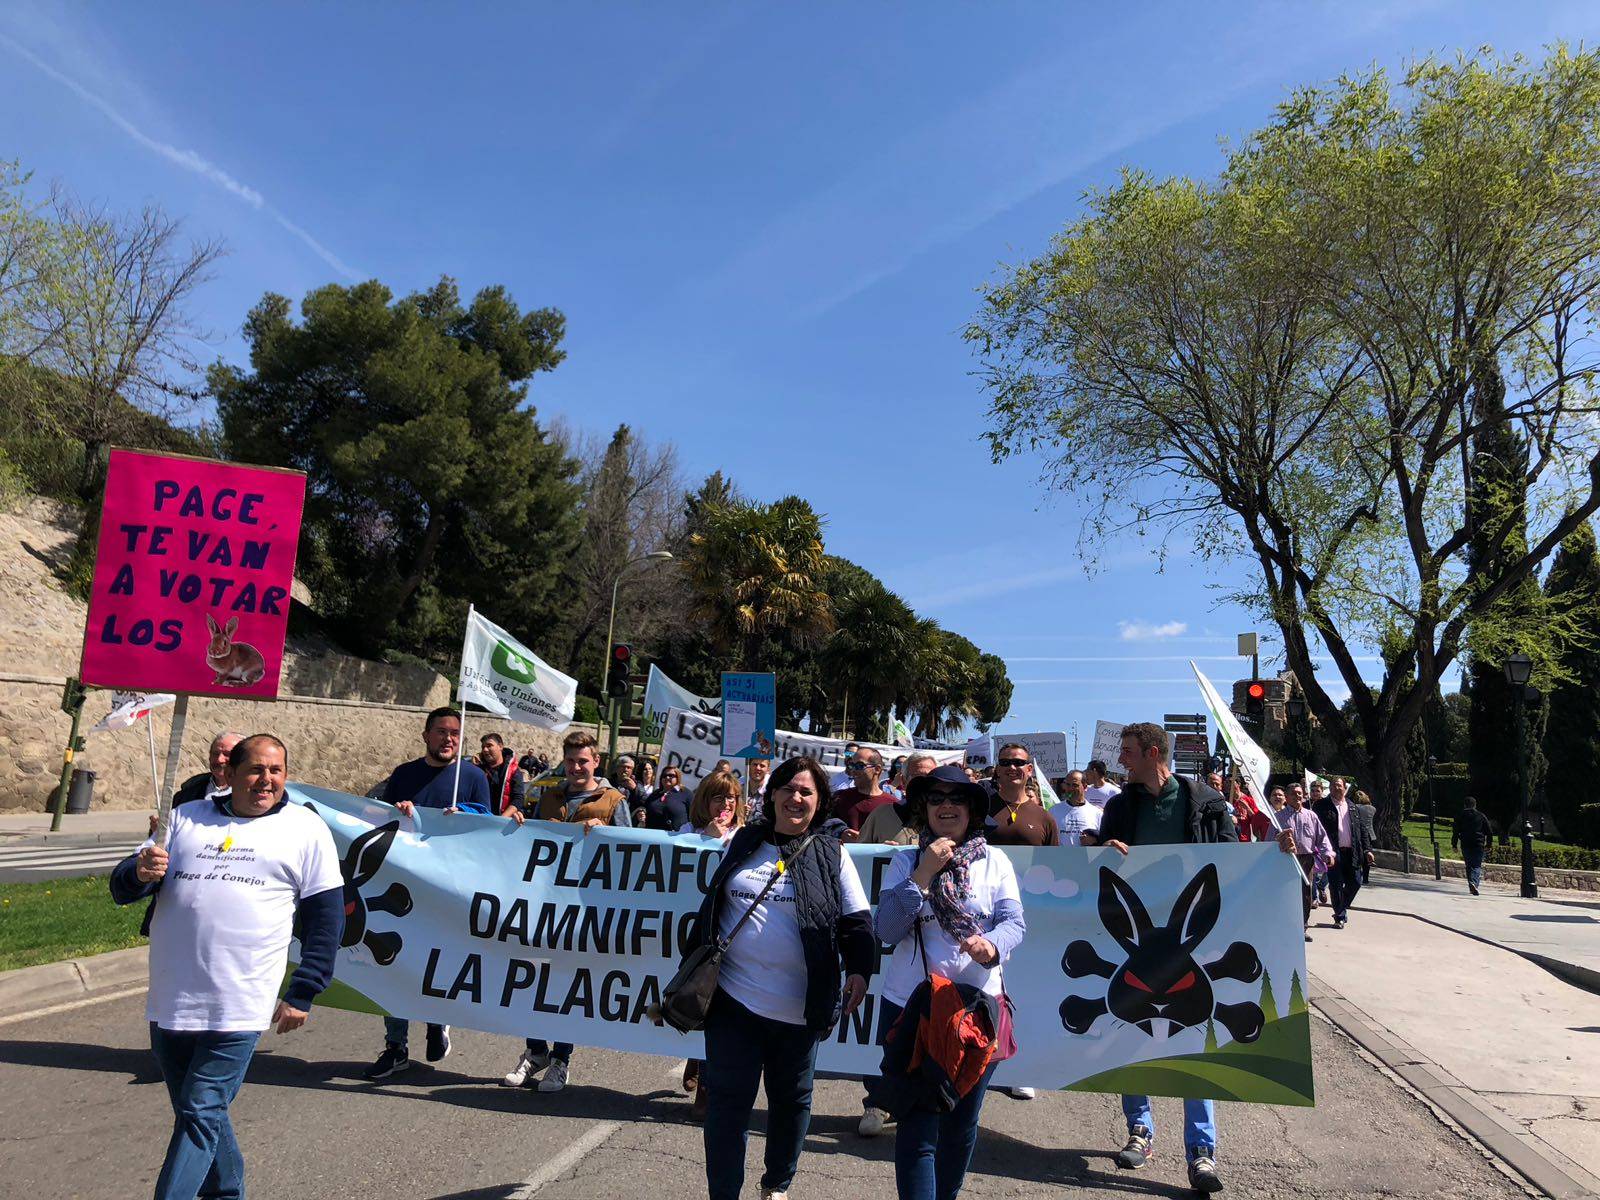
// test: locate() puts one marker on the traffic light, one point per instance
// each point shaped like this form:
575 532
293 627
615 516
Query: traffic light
1255 702
617 673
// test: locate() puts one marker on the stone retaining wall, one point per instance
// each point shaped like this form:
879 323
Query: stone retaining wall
1550 877
349 745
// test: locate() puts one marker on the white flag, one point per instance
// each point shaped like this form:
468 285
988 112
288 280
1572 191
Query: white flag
128 707
505 677
1252 759
899 734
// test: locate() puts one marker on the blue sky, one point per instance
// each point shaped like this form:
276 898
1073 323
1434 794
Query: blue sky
765 224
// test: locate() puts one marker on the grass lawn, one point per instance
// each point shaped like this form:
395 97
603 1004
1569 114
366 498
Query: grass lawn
64 918
1417 832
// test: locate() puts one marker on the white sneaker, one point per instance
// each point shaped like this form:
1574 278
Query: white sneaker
766 1195
873 1122
528 1065
1022 1093
555 1078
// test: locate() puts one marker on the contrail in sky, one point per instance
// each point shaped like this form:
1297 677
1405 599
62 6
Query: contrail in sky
189 160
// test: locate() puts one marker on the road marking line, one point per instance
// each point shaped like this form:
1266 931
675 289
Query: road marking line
573 1154
71 1004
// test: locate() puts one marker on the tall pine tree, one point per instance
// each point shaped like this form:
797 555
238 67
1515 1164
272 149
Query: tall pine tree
1497 504
1572 729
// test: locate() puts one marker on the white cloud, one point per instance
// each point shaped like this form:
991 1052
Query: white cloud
1144 631
188 160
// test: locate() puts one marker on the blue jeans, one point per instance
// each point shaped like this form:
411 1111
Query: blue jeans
1199 1124
742 1048
932 1150
561 1050
397 1033
203 1072
1474 868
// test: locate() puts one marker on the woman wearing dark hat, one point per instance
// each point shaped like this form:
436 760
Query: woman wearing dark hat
963 897
778 993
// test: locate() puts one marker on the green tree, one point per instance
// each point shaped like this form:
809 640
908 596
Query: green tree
1281 362
1572 729
869 654
1269 1005
1297 996
1503 754
756 570
1211 1046
429 484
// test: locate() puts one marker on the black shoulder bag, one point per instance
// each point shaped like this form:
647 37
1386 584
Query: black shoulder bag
687 997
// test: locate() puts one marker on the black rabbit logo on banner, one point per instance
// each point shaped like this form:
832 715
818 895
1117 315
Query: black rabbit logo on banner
1161 980
361 863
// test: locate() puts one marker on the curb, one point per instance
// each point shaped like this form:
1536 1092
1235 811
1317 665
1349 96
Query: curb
1535 1160
49 984
68 841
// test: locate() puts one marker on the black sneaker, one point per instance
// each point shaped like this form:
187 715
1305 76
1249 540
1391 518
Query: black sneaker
1137 1152
1473 888
1203 1175
392 1061
438 1042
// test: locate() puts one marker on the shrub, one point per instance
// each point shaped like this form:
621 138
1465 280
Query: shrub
1586 826
1561 858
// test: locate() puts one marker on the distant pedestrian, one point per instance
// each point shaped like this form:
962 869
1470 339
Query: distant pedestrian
1471 834
668 806
240 874
1348 834
507 789
886 824
1368 812
1311 847
1077 820
1254 825
1097 788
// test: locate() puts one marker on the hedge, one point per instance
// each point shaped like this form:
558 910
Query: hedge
1560 858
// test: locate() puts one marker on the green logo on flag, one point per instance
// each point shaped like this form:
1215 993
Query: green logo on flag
511 664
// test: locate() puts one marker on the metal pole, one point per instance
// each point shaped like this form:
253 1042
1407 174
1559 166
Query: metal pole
1530 888
74 744
611 717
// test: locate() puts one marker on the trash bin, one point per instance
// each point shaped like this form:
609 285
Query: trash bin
81 793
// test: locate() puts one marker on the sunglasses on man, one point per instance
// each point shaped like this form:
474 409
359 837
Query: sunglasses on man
856 764
1013 762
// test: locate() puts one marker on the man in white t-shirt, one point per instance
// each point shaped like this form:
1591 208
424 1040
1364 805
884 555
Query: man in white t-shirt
1097 788
234 873
1076 818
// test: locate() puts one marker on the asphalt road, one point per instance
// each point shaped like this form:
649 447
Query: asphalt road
37 863
83 1114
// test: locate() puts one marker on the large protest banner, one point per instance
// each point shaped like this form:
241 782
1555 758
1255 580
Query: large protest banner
692 742
662 694
192 576
1178 970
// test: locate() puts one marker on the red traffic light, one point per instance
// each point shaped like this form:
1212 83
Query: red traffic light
621 652
1256 691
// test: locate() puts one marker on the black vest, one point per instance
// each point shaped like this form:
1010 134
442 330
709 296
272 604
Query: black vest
818 906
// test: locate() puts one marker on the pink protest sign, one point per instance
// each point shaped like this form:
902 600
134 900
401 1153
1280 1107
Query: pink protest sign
192 576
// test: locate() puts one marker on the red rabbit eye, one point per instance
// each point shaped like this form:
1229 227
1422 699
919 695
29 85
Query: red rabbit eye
349 907
1134 981
1183 984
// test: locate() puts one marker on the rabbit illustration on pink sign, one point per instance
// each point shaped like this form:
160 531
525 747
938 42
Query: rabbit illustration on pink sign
1161 983
237 664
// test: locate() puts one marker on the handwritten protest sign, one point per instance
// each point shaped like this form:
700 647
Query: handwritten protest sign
192 576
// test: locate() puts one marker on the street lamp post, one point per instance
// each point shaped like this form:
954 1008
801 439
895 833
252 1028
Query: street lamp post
1295 709
1433 838
611 623
1519 669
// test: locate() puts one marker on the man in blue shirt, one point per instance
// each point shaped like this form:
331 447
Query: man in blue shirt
439 779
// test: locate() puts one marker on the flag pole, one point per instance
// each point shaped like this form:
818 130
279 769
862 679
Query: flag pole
461 746
150 729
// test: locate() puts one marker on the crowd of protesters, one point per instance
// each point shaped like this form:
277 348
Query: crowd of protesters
950 910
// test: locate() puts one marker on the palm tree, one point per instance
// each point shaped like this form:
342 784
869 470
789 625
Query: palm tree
870 656
756 571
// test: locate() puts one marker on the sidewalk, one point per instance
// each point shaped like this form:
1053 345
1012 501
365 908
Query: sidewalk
1560 931
1503 1046
81 829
